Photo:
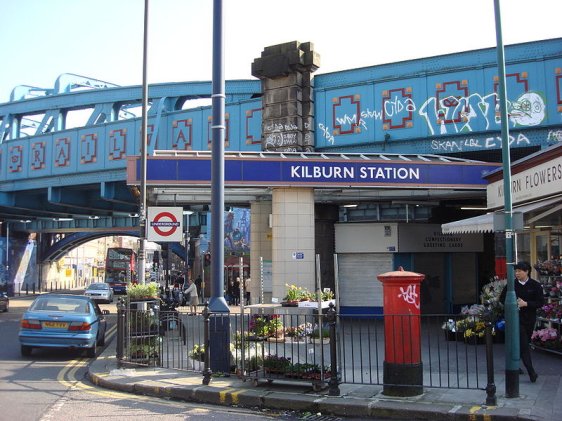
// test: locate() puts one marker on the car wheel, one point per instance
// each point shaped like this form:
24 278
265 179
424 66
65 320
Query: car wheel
25 350
91 352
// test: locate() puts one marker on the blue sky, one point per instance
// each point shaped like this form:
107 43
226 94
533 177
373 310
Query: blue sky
102 39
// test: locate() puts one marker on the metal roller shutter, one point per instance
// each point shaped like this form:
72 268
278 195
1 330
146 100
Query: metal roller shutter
358 283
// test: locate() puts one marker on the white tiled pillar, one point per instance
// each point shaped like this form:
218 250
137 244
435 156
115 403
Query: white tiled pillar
293 232
260 241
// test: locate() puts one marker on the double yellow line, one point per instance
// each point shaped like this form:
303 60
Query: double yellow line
67 375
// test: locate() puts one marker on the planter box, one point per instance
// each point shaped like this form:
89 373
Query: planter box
298 339
320 341
276 339
195 365
314 304
454 336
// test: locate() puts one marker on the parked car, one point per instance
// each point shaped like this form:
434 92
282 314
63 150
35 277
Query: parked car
100 291
63 321
4 302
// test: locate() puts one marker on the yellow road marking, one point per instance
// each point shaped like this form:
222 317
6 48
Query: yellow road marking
223 394
235 397
474 409
233 393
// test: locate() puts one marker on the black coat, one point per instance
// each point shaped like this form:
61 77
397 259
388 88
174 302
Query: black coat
533 294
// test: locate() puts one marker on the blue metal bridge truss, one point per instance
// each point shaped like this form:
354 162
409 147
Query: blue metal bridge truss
64 151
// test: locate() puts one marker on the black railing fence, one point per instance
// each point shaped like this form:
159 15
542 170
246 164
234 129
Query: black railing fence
300 345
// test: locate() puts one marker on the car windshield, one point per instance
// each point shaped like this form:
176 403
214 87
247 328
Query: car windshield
98 287
69 305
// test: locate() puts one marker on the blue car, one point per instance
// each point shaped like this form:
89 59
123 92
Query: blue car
63 321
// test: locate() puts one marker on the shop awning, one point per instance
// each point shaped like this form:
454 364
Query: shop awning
485 223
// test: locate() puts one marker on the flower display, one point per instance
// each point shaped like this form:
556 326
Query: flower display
492 290
473 310
476 329
197 353
552 311
276 364
549 267
547 338
296 293
450 325
267 325
300 331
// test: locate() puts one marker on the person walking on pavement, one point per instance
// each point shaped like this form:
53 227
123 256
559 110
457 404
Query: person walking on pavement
199 284
193 297
530 297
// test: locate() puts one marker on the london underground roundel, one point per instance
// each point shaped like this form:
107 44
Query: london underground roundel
165 224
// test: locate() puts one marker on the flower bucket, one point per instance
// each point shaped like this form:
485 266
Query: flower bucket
475 340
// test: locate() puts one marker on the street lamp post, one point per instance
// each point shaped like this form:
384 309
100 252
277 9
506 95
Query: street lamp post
217 303
144 127
512 354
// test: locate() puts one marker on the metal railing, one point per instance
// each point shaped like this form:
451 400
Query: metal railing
300 345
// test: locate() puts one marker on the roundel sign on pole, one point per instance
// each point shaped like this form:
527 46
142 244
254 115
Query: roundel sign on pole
164 224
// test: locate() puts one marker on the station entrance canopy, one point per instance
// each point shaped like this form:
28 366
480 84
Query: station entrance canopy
185 176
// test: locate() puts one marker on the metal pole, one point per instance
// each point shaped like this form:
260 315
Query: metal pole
334 388
207 372
217 302
202 277
512 354
491 398
7 253
241 277
144 126
261 280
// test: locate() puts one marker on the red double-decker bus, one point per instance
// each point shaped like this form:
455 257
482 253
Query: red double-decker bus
120 268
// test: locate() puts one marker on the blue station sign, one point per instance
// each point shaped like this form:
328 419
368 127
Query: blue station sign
256 171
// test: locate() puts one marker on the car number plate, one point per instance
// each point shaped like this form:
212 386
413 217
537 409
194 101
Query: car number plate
56 325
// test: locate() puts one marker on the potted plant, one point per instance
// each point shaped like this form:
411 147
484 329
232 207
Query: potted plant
490 296
139 292
196 358
143 322
294 295
320 335
300 370
451 330
258 328
251 352
275 364
275 330
299 333
266 326
145 351
475 333
547 338
327 294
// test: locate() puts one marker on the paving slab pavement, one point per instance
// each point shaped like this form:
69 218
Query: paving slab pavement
538 401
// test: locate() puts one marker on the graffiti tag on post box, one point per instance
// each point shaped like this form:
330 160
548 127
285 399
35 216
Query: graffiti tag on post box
410 295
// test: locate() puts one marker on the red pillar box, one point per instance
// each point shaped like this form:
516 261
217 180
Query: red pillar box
403 370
